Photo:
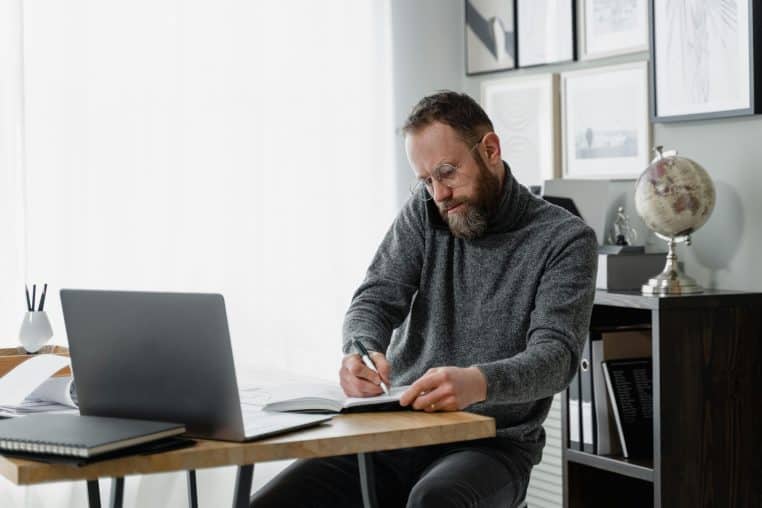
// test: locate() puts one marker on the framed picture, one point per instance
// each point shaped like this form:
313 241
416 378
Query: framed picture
703 60
612 27
605 122
524 112
546 31
490 36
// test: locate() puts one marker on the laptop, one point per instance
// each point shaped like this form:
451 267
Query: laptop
163 356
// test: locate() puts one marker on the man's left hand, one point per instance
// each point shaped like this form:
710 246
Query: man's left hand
446 389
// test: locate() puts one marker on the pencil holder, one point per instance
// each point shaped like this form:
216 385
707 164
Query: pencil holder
35 331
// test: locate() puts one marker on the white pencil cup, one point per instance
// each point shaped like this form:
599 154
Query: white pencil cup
35 331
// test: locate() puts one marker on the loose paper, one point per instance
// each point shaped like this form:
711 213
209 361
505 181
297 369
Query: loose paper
17 384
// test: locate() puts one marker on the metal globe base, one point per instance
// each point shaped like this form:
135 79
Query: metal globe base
672 280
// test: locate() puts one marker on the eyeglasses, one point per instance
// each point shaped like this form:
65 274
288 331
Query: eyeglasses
446 174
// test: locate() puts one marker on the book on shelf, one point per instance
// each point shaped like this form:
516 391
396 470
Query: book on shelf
79 436
587 409
612 344
575 436
629 385
316 397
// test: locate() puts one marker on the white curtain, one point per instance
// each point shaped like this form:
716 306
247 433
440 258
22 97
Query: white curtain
225 146
12 303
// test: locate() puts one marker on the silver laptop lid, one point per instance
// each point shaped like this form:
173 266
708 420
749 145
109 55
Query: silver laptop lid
160 356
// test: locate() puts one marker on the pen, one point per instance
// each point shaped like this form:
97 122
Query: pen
42 298
34 295
28 301
369 363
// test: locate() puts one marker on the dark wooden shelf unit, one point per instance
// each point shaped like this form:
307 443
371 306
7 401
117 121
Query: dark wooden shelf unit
707 395
641 469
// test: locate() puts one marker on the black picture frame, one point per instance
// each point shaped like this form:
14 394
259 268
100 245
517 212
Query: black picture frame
524 41
483 40
754 40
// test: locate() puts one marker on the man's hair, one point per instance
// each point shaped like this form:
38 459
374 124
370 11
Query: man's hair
457 110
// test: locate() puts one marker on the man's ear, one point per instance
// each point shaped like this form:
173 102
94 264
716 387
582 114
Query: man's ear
492 148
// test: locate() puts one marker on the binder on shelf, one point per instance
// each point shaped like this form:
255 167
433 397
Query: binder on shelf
586 399
629 384
613 344
575 438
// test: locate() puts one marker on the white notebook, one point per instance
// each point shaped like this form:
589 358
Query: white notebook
323 397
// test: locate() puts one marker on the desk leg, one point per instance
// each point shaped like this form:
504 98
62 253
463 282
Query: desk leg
93 494
242 494
117 492
367 480
192 492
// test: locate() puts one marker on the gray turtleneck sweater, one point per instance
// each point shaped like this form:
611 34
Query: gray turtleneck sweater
515 303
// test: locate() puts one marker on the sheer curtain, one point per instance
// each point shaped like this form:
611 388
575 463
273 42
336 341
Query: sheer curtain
229 146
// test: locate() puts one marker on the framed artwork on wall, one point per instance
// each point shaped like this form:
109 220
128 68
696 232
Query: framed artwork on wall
524 113
704 63
605 122
490 36
546 31
612 27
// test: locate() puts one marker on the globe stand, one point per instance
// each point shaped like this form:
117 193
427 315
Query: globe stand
672 280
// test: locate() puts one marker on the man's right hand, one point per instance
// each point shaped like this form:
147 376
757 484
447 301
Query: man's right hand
357 380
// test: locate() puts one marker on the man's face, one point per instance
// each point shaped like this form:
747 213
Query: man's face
466 201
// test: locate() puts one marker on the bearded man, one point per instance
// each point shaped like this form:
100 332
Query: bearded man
479 297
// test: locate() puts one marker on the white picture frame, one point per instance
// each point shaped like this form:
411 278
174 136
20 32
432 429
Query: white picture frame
546 32
606 128
525 115
704 63
612 27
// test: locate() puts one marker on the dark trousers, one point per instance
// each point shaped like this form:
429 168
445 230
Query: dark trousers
481 473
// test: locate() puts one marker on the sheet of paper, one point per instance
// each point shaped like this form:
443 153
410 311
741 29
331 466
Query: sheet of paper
55 389
23 379
35 406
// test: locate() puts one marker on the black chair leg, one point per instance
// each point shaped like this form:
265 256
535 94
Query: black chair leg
367 480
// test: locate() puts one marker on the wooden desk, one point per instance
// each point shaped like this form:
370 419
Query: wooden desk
358 433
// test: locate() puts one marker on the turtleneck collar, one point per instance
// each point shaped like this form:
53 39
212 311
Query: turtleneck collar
513 201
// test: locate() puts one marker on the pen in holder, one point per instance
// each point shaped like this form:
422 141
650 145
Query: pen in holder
35 330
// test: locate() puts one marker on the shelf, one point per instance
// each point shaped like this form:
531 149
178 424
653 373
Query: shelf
709 298
642 469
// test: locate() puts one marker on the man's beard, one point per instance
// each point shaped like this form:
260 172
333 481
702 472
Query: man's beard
473 220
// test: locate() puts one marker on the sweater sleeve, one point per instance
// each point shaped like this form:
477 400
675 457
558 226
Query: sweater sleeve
558 326
383 300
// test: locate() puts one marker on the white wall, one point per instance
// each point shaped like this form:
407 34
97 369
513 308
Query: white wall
427 48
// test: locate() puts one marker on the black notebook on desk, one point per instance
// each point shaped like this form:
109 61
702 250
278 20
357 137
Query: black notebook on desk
79 436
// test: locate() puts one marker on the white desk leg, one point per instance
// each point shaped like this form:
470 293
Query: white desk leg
367 480
242 493
93 494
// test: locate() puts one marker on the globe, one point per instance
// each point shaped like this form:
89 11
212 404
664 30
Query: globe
674 196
